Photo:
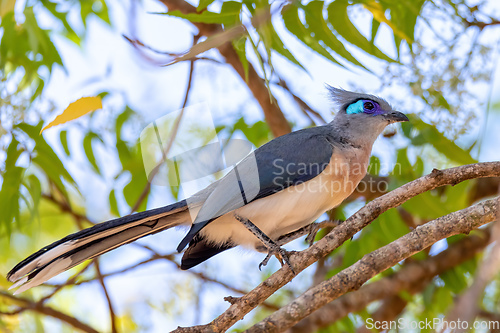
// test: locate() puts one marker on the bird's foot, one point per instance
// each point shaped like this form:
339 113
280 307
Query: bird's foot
313 231
272 248
315 227
281 254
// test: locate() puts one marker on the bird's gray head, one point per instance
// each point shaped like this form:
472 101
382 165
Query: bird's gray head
362 117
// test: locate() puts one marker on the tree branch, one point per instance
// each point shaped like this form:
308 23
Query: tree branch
274 117
373 263
112 316
480 24
412 278
26 304
467 306
175 129
343 232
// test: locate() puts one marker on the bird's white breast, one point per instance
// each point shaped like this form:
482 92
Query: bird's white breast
295 206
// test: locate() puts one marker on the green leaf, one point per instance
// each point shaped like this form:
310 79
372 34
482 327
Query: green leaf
375 26
203 4
239 46
404 16
46 158
426 205
113 203
346 325
39 40
261 63
440 142
10 192
278 46
378 11
96 7
442 299
273 42
454 280
389 226
121 120
227 18
138 182
134 188
89 152
353 253
34 188
457 197
418 167
318 26
6 6
62 17
338 18
257 133
124 153
374 166
233 8
290 14
101 11
9 197
397 44
63 137
85 11
39 84
12 154
403 170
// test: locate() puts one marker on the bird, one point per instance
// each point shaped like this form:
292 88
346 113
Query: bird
282 186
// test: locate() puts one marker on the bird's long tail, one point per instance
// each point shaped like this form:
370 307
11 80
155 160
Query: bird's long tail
94 241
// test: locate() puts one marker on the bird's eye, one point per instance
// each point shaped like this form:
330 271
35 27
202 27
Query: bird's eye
368 106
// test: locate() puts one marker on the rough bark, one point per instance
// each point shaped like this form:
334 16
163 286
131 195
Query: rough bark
353 277
412 278
340 234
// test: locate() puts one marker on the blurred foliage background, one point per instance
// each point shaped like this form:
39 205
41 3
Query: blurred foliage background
262 66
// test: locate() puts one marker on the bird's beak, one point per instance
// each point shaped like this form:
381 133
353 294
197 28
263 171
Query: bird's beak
396 117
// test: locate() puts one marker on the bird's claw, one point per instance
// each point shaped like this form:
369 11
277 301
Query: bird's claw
313 231
281 254
265 261
315 227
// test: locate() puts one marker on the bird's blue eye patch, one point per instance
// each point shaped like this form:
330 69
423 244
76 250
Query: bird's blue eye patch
355 107
364 105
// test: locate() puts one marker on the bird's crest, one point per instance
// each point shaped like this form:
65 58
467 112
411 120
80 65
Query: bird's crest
343 98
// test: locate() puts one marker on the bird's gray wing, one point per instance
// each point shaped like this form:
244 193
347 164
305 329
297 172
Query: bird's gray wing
288 160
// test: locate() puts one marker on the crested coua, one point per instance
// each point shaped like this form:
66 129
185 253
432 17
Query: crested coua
299 176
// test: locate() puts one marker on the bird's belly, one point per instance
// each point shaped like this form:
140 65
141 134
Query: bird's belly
287 210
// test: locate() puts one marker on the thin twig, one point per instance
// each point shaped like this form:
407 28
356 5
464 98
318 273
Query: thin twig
171 139
27 304
112 315
306 108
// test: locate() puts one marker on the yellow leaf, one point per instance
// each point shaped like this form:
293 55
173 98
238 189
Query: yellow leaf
75 110
379 14
6 6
